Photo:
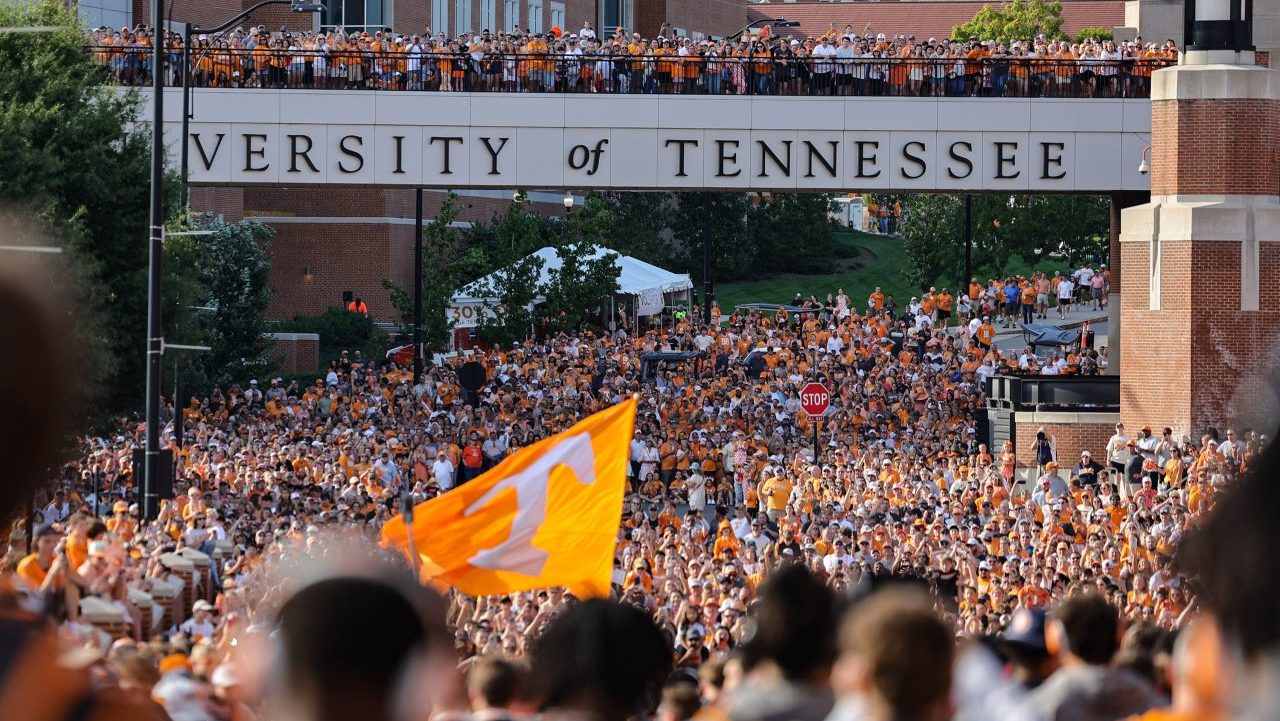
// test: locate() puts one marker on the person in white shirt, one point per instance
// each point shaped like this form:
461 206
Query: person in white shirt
413 63
201 624
587 31
1065 289
1118 455
985 371
823 65
1028 361
839 557
741 523
637 450
57 511
443 471
697 487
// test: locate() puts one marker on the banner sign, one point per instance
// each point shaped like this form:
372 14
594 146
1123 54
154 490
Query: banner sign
494 140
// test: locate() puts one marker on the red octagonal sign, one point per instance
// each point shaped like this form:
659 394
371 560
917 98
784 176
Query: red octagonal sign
815 399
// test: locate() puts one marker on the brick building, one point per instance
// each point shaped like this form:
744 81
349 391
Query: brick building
452 17
1201 259
333 240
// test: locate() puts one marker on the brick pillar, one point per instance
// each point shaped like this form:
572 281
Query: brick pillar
1119 201
1201 260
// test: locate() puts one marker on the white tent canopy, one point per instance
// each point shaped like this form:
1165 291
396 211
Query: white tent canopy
649 283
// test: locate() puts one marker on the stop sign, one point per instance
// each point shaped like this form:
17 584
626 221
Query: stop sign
815 398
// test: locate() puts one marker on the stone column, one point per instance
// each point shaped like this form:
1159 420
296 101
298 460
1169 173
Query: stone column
1201 260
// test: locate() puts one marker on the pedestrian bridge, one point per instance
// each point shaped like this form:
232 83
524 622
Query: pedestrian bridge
251 136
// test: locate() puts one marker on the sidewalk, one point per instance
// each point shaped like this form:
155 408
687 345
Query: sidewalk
1076 320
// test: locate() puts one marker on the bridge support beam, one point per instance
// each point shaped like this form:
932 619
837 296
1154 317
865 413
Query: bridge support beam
1201 260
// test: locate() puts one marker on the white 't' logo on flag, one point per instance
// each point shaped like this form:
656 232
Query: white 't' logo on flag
517 553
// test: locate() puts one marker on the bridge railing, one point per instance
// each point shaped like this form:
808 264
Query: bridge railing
642 74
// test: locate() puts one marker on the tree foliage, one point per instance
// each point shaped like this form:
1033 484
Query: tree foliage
581 286
792 233
78 160
1071 227
217 292
444 256
514 287
1016 20
1100 34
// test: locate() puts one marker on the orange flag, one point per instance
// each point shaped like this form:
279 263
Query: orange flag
548 515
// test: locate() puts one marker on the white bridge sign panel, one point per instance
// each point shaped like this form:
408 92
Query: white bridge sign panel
635 142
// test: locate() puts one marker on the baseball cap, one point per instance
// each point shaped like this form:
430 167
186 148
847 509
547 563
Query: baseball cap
1026 629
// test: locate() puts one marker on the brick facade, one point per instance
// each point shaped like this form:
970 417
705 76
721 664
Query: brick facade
1071 433
1204 355
211 13
414 16
1215 147
296 352
718 18
367 240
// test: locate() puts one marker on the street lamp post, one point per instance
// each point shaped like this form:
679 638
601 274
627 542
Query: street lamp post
155 249
187 31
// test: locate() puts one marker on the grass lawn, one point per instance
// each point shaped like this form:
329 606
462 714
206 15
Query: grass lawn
877 260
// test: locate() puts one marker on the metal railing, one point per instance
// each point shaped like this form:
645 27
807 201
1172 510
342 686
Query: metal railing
214 67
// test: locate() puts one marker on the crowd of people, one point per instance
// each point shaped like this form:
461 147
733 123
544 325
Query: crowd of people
728 496
835 63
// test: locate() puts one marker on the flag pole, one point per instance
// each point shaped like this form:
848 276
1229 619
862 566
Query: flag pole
406 510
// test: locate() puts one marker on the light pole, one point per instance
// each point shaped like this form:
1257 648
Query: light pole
568 203
187 30
155 249
417 293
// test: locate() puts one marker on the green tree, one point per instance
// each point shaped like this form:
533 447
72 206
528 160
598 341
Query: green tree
1100 34
638 225
1016 20
218 295
932 231
733 248
514 287
1028 227
582 284
792 233
77 159
509 235
444 255
339 330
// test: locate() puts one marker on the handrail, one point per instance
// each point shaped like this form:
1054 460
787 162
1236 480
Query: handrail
632 74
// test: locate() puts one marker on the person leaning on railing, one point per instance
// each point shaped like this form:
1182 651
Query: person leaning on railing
513 62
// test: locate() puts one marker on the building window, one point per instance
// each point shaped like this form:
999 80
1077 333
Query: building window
558 16
489 15
535 16
511 15
440 16
614 14
353 14
462 17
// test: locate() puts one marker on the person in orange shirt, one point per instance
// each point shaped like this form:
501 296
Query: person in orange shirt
944 301
986 333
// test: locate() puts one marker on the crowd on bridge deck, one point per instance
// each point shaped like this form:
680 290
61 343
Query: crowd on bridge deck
724 496
835 63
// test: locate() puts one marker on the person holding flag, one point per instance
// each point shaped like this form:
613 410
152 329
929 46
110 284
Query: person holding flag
546 516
